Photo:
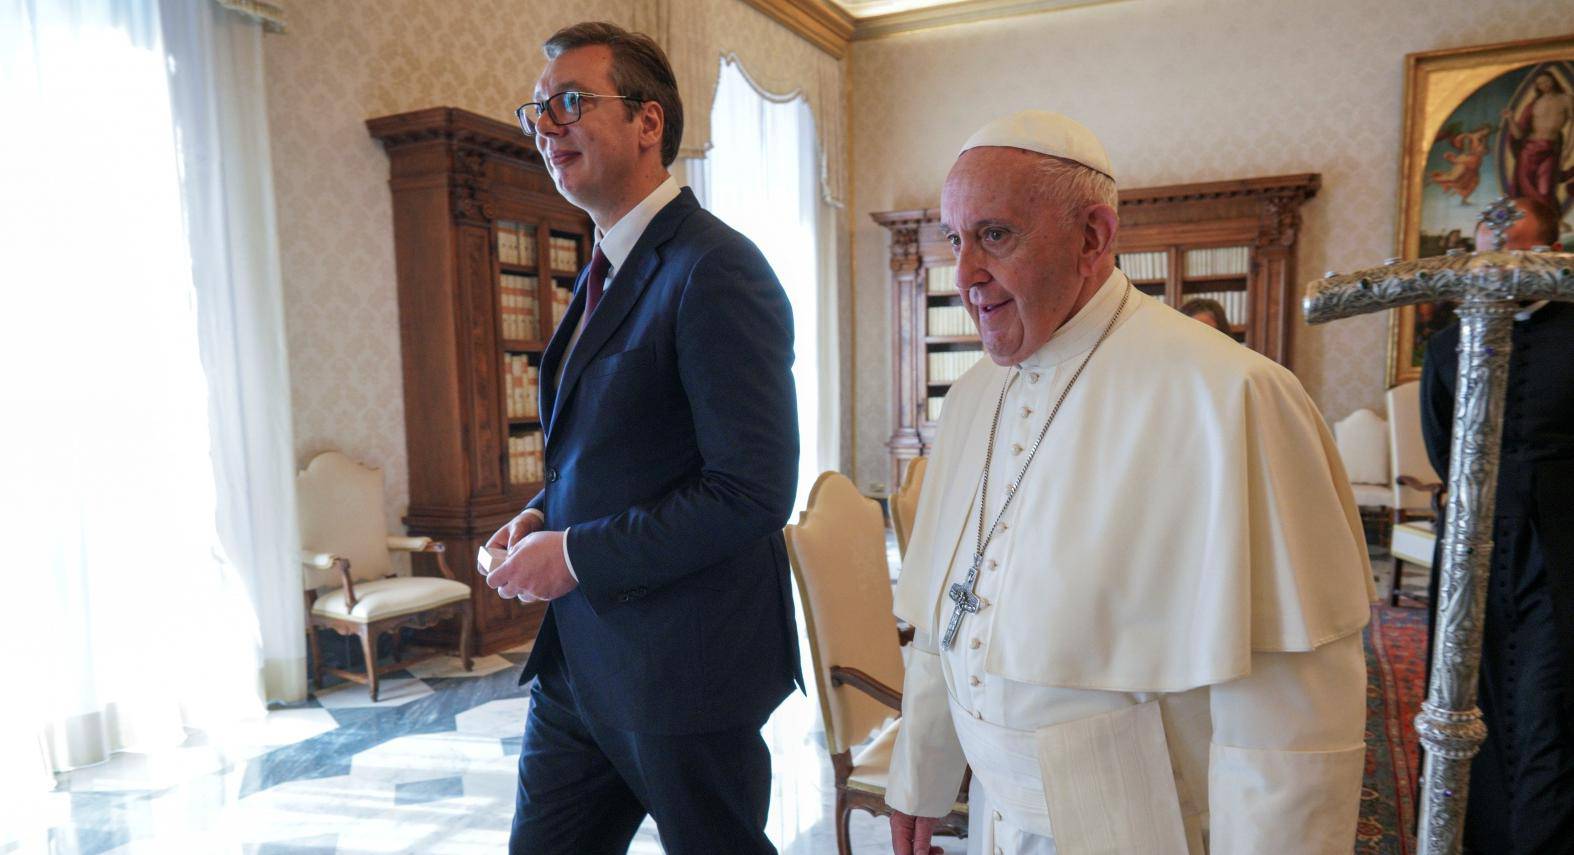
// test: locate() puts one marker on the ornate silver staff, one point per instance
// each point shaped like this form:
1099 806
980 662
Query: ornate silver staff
1488 286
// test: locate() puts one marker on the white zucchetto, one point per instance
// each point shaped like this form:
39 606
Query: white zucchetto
1046 133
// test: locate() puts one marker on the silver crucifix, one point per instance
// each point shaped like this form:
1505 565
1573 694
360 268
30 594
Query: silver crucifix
1488 286
966 602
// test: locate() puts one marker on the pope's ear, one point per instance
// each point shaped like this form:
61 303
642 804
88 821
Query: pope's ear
1098 235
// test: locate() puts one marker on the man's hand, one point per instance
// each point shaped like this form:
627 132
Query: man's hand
910 834
529 521
534 569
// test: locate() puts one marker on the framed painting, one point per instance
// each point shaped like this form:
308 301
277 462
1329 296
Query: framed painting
1480 123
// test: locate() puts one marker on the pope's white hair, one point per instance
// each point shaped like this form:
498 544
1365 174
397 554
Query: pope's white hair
1072 187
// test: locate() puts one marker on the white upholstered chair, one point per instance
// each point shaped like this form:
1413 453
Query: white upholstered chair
1362 438
904 503
837 550
349 579
1416 490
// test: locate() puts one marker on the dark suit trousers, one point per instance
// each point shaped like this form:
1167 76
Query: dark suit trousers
585 788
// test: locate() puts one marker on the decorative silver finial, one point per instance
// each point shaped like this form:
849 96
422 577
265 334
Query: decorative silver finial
1498 217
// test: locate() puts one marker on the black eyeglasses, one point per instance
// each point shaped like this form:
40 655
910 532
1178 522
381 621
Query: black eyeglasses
563 108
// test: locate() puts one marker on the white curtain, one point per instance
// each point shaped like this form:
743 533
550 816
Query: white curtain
762 177
220 109
135 581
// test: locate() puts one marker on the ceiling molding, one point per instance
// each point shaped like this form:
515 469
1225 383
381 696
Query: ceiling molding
831 28
961 12
824 24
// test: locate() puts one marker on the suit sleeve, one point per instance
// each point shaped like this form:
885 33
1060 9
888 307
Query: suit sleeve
1438 367
927 763
735 352
1288 753
538 504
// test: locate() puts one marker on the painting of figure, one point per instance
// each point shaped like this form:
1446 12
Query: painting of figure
1480 123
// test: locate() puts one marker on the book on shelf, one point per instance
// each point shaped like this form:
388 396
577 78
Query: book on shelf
522 381
565 254
561 297
949 321
945 366
932 408
519 307
1145 266
526 462
1219 261
940 279
516 243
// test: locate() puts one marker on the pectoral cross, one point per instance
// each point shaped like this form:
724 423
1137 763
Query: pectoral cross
966 602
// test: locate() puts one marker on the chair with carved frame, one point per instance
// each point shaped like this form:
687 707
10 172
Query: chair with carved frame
350 585
837 551
1417 490
904 503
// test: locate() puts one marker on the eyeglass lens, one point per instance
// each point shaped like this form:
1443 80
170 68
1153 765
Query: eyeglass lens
562 107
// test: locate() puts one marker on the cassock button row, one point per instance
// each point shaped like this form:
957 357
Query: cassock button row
1026 411
1016 448
997 817
1032 377
977 714
983 603
993 564
975 644
973 680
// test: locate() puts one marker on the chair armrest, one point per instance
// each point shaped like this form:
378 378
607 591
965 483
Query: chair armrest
318 560
868 685
423 544
904 633
1436 491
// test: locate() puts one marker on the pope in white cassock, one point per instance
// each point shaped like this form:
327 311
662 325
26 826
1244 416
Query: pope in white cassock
1137 573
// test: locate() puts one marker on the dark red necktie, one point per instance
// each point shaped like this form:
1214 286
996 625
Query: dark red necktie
596 280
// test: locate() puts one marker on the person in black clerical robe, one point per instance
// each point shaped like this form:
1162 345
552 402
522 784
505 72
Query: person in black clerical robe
1521 797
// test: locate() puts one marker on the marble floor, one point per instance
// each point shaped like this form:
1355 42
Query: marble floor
428 769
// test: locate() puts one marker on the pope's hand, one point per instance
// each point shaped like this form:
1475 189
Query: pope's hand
533 570
910 834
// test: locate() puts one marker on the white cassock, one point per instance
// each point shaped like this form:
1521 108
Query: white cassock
1168 654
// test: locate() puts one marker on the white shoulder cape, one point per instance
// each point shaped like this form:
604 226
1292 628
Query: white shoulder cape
1188 508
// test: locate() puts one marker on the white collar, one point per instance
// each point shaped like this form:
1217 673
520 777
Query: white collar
1078 333
617 242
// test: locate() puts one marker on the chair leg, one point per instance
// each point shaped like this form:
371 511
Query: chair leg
844 845
466 622
315 646
1399 576
369 648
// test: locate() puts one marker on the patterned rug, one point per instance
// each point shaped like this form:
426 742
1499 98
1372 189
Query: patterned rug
1395 685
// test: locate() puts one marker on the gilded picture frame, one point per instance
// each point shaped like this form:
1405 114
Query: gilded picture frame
1468 113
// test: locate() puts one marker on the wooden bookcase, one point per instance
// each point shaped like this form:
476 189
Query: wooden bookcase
476 218
1233 241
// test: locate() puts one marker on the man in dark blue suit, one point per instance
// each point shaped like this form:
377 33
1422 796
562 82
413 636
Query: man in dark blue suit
671 465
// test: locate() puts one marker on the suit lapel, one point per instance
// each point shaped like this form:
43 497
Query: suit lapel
546 386
627 285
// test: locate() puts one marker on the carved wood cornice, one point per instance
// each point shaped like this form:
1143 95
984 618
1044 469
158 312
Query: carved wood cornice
457 126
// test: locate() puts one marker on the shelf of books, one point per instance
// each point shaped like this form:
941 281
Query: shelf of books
532 301
951 343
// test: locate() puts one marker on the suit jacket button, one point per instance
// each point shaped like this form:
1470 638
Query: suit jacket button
551 474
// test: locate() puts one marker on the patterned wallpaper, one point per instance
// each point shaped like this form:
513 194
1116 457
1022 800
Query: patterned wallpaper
1179 91
343 61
